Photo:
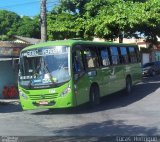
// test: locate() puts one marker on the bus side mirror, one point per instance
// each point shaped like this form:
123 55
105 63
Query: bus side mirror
76 76
92 73
18 66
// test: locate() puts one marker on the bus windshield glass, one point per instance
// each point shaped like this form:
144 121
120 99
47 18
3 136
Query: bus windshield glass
44 67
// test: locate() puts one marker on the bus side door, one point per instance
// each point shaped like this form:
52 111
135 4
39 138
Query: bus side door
81 81
117 78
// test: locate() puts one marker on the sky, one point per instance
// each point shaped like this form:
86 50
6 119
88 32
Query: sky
25 7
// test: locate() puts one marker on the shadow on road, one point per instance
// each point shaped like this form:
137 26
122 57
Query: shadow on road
107 128
67 139
9 108
117 100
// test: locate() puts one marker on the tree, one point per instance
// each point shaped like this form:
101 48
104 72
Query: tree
9 22
76 7
29 27
61 26
12 24
66 20
107 19
115 18
151 28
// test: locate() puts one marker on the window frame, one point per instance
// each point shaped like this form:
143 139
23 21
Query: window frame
100 57
95 50
135 54
127 53
109 48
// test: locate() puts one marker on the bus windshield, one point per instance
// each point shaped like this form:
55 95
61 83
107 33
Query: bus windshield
44 67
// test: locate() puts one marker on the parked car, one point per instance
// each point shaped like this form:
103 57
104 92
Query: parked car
151 68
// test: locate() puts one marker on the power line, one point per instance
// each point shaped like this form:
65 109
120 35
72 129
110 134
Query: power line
29 3
16 5
50 6
52 2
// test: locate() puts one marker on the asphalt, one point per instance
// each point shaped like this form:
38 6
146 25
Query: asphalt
136 114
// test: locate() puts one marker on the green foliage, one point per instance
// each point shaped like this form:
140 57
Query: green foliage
9 22
29 27
73 6
4 38
12 24
107 19
151 28
60 26
66 20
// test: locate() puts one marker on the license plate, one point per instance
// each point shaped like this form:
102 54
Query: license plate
43 102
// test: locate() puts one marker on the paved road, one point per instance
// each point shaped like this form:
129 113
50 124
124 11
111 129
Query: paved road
137 114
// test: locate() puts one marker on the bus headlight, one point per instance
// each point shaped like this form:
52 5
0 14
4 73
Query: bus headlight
23 95
65 91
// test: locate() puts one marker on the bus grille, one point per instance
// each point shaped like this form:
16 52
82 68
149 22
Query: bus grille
43 96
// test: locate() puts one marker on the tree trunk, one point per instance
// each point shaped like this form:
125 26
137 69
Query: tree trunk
120 37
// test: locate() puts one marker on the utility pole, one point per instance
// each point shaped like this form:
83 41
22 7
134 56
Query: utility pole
43 21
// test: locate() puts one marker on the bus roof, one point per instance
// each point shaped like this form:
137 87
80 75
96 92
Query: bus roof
72 42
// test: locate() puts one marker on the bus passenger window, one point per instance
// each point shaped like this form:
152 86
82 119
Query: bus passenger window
114 55
132 54
91 58
104 57
124 55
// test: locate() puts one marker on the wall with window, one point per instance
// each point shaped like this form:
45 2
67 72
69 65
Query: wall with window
8 75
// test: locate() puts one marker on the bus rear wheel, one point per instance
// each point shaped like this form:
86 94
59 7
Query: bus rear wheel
94 96
128 85
152 73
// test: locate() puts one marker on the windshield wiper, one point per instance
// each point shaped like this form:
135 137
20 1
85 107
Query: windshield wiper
48 72
35 73
50 76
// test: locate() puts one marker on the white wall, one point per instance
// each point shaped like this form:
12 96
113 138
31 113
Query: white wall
7 75
145 58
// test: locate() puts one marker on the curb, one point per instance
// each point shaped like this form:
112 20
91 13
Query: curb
7 101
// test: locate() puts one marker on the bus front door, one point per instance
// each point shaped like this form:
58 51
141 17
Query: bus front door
81 87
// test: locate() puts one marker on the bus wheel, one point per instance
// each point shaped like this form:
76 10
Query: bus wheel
153 73
94 96
128 85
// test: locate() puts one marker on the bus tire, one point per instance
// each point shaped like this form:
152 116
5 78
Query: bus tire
152 73
128 88
94 96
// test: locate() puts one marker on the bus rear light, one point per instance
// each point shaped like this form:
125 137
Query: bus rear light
66 91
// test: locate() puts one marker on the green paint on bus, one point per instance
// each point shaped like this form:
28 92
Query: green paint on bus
68 73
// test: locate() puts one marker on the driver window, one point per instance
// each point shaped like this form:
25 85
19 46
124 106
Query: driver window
77 62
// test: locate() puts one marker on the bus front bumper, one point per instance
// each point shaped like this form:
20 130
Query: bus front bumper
47 104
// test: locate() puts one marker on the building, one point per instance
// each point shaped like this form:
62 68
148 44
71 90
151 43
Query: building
9 57
26 40
149 51
9 54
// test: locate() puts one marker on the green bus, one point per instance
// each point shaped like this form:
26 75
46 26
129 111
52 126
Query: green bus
68 73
